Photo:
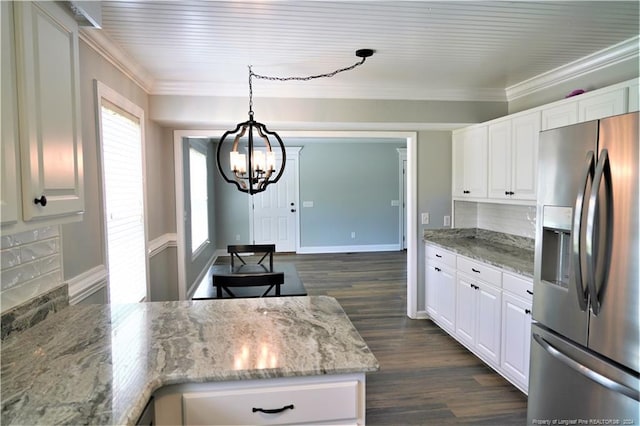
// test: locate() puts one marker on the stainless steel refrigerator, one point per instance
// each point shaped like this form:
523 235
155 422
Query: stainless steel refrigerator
585 336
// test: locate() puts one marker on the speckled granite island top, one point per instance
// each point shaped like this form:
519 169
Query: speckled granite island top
100 364
504 251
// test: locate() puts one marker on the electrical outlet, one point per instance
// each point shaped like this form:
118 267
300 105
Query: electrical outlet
425 218
353 235
447 221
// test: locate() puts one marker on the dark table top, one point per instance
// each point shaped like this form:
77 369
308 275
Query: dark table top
292 284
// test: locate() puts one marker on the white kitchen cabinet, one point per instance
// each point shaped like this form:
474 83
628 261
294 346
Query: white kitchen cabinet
9 201
602 104
513 157
440 287
516 330
332 399
47 70
634 96
478 317
561 115
470 162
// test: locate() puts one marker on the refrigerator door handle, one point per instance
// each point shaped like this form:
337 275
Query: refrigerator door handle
595 282
586 371
583 295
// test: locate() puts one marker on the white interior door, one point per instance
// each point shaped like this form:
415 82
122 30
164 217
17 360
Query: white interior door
275 211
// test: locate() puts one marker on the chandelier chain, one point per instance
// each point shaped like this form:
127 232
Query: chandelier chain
307 78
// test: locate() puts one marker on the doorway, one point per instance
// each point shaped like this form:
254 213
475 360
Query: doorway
274 212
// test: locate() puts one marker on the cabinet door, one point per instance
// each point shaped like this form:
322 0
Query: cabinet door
8 123
475 162
516 338
634 97
49 113
431 278
499 152
524 160
466 311
458 163
560 115
603 105
488 323
447 299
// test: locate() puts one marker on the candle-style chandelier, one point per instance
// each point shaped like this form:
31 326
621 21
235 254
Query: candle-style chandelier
252 159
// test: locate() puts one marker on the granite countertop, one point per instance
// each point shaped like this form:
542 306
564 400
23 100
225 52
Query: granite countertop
505 251
100 364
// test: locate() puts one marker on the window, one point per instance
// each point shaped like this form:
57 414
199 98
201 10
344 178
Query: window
121 137
199 200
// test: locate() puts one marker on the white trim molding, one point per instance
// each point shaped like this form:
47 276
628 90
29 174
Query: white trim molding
624 51
348 249
161 243
85 284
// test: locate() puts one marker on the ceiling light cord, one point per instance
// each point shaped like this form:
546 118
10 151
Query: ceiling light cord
362 53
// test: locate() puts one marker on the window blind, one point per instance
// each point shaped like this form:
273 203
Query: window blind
124 204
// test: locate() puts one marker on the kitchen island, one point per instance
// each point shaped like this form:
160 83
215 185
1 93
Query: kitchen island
101 364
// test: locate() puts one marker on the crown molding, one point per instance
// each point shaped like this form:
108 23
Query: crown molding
621 52
105 47
319 91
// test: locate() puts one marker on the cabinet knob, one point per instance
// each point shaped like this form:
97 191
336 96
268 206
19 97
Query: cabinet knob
512 193
293 210
42 200
527 311
506 192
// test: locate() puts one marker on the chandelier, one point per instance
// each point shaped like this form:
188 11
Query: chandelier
253 163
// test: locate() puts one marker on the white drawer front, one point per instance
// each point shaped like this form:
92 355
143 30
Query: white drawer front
480 271
323 402
519 286
441 255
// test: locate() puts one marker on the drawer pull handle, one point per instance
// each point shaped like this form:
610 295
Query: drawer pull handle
437 255
437 269
530 292
475 270
272 410
42 200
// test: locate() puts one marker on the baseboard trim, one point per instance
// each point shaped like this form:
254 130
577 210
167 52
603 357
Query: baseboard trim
87 283
348 249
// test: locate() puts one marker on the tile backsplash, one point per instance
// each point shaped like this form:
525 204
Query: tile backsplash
505 218
31 265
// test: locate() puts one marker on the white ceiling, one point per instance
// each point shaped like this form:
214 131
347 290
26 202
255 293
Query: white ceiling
424 50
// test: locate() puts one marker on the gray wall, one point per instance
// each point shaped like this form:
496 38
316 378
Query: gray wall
83 242
351 186
434 189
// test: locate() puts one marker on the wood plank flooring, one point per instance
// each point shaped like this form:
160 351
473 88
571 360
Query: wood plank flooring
425 376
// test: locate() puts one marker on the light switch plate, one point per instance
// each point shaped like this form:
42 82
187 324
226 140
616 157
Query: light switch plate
425 218
307 204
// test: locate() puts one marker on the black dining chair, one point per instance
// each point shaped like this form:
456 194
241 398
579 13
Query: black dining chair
227 282
266 250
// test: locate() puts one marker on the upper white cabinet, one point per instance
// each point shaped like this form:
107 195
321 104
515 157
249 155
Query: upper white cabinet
9 126
470 162
634 96
513 157
559 115
47 81
604 104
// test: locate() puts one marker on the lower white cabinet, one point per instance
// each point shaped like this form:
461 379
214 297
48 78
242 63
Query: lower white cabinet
486 309
478 318
441 293
300 400
516 330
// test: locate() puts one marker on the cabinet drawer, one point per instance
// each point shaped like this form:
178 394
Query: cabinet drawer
441 255
480 271
313 403
519 286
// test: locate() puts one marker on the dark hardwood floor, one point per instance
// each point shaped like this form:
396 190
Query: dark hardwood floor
425 376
